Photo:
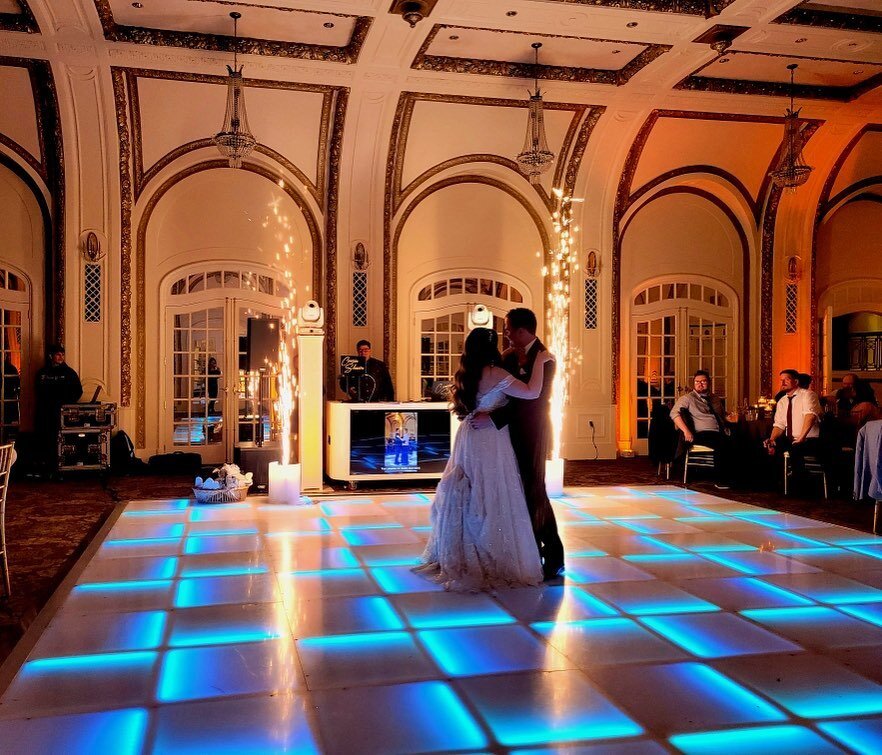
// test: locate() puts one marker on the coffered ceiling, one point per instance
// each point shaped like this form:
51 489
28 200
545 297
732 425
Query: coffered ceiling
611 43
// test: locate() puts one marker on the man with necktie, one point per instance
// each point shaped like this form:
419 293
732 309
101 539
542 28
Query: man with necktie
700 416
797 420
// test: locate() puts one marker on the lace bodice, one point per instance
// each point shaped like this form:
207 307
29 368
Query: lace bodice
495 397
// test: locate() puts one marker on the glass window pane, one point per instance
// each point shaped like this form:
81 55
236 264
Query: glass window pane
695 291
439 289
486 287
266 284
682 290
231 279
457 322
425 293
471 285
428 326
501 290
653 294
668 291
455 286
516 295
182 321
213 279
640 298
196 283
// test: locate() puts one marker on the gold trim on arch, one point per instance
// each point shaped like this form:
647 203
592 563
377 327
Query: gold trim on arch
401 130
140 266
390 252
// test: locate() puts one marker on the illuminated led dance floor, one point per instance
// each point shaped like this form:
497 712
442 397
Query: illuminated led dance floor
685 623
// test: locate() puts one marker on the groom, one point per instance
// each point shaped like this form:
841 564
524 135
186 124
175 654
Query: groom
530 428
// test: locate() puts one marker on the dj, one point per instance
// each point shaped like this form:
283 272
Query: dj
376 382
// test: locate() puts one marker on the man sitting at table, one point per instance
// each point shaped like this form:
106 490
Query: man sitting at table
797 420
700 416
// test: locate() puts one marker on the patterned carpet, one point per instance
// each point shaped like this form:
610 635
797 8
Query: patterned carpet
49 524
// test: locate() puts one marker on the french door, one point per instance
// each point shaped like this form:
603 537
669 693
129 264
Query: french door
670 345
211 402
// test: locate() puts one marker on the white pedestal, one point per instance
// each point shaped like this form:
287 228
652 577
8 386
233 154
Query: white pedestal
554 471
284 483
310 408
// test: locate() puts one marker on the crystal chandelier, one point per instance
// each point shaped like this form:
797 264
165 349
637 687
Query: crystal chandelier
791 171
535 159
235 141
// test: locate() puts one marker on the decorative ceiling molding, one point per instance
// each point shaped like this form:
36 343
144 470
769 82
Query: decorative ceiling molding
698 83
706 8
831 18
142 176
425 62
115 32
23 21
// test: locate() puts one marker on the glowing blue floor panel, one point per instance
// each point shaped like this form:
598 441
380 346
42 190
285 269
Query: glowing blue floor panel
685 622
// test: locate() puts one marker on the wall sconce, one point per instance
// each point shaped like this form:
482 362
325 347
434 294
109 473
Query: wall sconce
92 248
592 264
361 261
794 269
412 11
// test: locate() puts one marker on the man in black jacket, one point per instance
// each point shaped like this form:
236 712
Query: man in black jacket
376 380
56 384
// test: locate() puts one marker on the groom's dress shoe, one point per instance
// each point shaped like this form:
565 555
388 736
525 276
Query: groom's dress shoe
551 573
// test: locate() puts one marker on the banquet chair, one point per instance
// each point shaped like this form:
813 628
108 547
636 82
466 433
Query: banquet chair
811 465
697 456
7 456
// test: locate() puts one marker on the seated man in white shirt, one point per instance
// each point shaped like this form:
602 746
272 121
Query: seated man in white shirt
797 420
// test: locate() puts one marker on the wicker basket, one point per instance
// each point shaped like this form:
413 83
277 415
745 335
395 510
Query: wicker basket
221 495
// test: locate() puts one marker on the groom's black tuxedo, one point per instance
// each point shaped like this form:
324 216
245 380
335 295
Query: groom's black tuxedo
530 429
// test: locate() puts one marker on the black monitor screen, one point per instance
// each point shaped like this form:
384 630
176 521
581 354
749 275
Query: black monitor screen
407 442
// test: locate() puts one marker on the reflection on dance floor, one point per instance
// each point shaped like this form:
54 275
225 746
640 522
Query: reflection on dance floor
685 622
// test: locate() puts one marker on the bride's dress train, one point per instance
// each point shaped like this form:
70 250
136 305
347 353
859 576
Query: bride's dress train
481 534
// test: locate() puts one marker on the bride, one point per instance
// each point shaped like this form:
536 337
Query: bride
481 534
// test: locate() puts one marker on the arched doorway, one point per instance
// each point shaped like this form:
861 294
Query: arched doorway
210 404
15 322
678 327
440 323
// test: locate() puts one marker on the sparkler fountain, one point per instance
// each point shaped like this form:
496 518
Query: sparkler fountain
284 475
557 273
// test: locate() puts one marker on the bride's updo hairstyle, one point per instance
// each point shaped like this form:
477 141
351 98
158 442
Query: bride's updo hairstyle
481 350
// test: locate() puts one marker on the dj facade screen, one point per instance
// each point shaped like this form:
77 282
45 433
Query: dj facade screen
405 442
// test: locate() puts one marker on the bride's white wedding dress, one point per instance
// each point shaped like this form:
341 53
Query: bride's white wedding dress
481 534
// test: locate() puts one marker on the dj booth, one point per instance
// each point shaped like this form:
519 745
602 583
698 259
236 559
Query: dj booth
389 440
